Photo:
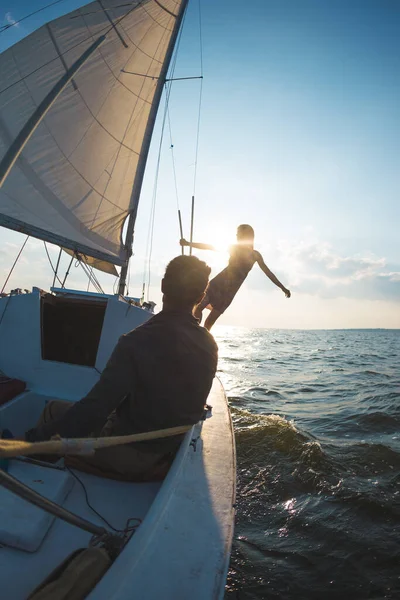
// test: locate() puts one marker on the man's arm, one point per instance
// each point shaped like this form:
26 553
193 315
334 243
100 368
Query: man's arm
199 246
91 413
270 274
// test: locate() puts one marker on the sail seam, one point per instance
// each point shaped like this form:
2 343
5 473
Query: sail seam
64 64
155 20
128 89
113 24
21 158
166 9
113 86
126 129
102 195
108 66
41 187
58 178
75 46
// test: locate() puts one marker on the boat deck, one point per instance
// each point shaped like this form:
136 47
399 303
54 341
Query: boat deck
187 527
21 571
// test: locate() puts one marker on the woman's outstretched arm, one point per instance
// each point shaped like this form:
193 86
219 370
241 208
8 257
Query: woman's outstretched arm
270 274
184 242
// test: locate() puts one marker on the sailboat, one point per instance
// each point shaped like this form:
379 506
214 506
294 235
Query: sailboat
78 102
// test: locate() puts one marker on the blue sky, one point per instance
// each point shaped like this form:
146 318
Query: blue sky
300 136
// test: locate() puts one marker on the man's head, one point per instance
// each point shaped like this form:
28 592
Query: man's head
184 283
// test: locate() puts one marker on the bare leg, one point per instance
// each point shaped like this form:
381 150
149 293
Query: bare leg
198 312
212 317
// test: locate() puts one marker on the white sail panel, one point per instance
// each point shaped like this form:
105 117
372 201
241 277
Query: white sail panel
72 183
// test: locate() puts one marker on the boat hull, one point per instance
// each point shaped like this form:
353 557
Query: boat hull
182 547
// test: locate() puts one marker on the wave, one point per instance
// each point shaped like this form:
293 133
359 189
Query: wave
377 457
369 372
381 421
318 492
264 391
387 402
231 359
311 388
272 440
374 501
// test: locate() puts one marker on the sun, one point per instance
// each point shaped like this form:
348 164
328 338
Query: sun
221 239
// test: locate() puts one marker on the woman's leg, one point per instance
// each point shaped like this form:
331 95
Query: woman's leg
198 311
212 317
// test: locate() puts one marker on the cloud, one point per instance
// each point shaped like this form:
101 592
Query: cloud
316 268
11 22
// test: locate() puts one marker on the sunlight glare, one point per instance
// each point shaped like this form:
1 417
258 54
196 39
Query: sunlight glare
221 239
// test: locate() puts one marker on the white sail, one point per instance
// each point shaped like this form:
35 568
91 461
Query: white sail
72 183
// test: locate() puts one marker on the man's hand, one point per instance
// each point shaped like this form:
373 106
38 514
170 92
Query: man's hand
286 292
184 242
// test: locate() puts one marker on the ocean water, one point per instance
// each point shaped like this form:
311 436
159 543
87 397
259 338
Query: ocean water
317 422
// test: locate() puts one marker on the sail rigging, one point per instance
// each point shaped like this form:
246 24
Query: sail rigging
79 176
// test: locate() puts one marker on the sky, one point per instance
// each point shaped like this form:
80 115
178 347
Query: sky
299 136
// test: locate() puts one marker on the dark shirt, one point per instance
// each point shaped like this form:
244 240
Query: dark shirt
159 375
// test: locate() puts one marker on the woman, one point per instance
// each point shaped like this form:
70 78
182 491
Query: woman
223 288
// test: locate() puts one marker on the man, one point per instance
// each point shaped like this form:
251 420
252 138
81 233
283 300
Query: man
159 376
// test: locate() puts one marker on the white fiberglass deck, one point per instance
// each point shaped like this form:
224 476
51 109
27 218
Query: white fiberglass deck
116 501
187 526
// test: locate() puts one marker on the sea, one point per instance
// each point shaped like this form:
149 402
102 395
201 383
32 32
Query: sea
317 423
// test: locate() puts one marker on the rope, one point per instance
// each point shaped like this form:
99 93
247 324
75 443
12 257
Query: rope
15 262
57 265
90 278
128 282
51 264
85 446
67 271
90 274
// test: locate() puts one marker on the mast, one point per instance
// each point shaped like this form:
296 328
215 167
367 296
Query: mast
137 184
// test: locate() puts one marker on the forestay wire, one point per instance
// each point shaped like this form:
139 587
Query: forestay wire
200 100
150 234
167 118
